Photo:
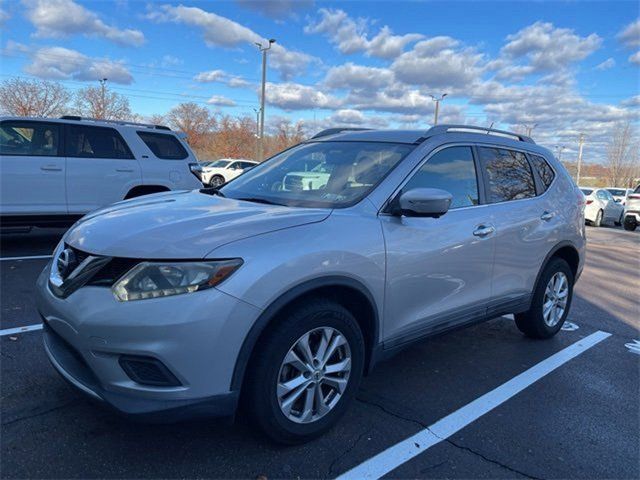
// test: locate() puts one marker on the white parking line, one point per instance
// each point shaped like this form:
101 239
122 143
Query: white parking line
32 257
405 450
28 328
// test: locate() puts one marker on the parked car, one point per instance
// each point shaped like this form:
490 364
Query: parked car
601 207
632 210
56 170
620 194
224 170
180 304
312 179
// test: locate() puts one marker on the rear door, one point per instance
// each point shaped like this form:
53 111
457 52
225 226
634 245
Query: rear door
525 223
439 269
100 167
32 167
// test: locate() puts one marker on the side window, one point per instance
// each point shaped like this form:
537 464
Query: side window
29 138
508 173
453 170
95 142
545 172
164 146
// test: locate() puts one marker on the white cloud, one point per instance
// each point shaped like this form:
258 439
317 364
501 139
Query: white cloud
4 16
293 96
545 48
221 101
607 64
58 63
438 63
351 76
635 58
630 35
350 36
210 76
61 18
219 31
276 8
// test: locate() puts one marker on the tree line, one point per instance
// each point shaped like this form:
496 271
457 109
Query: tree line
211 135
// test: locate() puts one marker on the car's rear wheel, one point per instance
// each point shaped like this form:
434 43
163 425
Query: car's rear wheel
551 301
306 372
216 181
630 223
598 221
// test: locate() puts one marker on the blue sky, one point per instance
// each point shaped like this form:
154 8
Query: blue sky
566 67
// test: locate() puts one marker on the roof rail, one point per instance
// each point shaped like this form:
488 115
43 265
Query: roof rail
439 129
115 122
333 131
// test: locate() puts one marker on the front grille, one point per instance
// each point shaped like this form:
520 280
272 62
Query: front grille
148 371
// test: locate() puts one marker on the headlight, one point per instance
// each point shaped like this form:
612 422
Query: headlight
163 279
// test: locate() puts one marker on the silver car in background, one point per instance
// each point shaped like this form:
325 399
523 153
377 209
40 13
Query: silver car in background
185 303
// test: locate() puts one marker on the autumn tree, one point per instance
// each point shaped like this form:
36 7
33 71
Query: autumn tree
33 98
622 156
286 135
195 121
234 138
101 102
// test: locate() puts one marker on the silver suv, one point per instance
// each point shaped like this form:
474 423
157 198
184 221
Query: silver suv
181 304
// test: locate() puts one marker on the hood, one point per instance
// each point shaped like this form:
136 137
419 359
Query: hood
180 225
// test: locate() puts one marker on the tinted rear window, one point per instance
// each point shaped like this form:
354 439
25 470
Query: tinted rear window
617 191
95 142
545 172
166 147
508 173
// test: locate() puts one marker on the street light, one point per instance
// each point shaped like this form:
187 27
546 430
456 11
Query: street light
559 149
529 128
437 100
264 83
257 152
103 86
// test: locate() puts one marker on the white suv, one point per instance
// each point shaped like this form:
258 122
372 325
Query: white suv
224 170
56 170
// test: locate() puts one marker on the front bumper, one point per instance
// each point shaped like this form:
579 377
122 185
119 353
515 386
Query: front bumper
632 213
196 336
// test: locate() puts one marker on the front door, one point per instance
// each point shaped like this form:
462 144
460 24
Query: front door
32 167
438 269
100 167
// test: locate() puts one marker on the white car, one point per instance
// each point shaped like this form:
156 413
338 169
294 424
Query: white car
56 170
601 207
222 171
620 194
632 210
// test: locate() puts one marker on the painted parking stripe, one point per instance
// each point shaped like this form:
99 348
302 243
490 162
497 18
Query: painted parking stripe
32 257
405 450
13 331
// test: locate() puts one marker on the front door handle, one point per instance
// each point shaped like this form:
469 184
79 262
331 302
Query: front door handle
124 170
546 216
50 168
483 231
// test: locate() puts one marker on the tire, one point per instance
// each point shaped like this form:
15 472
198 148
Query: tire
533 323
269 369
630 223
216 181
620 220
598 221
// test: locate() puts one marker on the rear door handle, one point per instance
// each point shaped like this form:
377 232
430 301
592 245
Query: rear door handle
546 216
483 231
51 168
124 169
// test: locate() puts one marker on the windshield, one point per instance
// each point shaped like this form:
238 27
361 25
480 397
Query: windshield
219 164
587 191
321 174
617 191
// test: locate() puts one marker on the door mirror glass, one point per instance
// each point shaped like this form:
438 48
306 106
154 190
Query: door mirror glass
424 202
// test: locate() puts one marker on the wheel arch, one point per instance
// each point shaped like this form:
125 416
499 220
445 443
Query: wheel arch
349 292
568 252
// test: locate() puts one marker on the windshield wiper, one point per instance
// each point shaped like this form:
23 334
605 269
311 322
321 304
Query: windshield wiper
259 200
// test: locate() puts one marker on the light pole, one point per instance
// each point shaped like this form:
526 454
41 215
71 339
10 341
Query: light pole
257 110
559 149
103 86
437 100
580 145
264 83
529 128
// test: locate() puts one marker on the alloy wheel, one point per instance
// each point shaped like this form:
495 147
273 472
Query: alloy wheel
314 375
555 299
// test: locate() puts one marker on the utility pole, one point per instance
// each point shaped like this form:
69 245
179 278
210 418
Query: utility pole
529 128
103 87
257 110
437 100
580 145
264 83
559 149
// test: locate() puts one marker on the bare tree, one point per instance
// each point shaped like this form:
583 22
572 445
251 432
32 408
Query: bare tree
100 102
622 156
195 121
33 98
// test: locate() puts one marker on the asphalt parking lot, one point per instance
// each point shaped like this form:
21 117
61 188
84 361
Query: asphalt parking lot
578 419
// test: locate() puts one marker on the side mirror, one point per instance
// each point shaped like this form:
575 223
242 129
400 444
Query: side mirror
423 202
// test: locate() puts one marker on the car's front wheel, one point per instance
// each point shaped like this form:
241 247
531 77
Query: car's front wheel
630 223
216 181
551 301
306 372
